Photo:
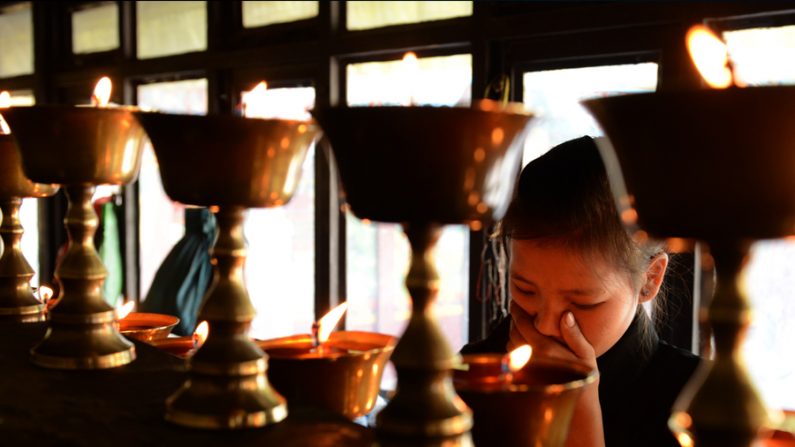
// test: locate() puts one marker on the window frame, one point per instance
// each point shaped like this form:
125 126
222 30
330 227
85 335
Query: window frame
502 38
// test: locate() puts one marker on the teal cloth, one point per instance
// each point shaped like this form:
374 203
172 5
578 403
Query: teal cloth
185 274
110 253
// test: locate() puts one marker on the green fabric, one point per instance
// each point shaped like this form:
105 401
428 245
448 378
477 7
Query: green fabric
110 253
185 274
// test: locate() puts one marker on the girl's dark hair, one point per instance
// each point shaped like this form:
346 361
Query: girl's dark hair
564 197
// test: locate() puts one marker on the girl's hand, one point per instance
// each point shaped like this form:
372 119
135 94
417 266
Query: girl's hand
572 345
586 423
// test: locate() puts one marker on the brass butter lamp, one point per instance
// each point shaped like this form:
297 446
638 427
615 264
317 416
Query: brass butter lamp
425 167
79 148
17 302
344 379
229 164
717 166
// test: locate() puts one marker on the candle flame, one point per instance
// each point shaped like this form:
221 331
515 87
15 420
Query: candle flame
101 95
201 333
519 357
684 439
411 68
5 102
45 293
125 310
254 101
329 321
710 56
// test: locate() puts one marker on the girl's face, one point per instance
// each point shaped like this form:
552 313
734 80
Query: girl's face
548 279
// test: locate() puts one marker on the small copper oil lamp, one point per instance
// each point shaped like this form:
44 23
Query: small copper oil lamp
144 326
17 302
183 347
335 371
80 148
519 403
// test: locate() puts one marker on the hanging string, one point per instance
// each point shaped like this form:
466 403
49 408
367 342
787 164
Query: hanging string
492 284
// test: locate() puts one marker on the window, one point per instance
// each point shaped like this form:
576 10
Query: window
162 222
554 97
378 254
268 13
766 56
166 28
16 41
373 14
280 267
95 28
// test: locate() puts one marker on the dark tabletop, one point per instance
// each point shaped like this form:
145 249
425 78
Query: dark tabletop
124 406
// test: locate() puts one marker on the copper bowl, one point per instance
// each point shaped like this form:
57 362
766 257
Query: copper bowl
182 347
706 164
74 145
345 381
533 406
426 164
229 160
13 182
147 326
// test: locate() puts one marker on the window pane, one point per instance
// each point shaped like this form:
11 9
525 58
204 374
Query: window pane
764 56
95 29
280 267
162 222
22 98
267 13
554 97
378 254
374 14
16 41
29 218
166 28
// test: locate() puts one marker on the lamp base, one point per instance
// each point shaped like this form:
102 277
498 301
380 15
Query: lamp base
87 345
229 395
23 314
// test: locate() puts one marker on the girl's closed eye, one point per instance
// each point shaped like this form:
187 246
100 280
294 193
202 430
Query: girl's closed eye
587 306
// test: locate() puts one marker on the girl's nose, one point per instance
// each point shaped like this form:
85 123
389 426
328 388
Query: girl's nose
547 322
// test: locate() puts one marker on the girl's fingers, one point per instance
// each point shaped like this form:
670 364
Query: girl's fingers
575 339
523 331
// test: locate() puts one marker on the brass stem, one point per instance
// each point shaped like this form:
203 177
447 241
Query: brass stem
723 408
425 407
17 302
228 387
82 332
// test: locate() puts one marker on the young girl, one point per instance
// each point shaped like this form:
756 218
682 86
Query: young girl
578 282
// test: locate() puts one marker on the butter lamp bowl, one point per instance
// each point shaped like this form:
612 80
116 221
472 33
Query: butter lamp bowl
146 327
228 160
533 406
77 145
13 182
723 161
345 380
426 164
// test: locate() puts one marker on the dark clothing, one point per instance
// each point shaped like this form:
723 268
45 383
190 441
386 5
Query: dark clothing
639 382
